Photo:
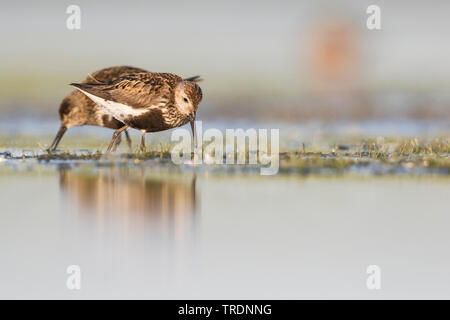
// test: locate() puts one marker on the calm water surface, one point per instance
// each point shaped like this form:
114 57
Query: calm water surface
155 233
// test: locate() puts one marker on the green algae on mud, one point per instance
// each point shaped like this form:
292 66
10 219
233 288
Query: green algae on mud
381 156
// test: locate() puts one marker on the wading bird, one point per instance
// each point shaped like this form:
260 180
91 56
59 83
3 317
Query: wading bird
149 102
78 110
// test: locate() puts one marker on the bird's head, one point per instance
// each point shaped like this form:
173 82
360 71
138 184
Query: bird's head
188 96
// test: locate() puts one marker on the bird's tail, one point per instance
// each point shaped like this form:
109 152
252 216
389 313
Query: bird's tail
194 79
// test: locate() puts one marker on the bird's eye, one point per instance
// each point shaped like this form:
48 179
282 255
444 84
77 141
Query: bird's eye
185 99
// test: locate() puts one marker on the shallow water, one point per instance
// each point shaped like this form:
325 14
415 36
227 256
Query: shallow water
156 232
345 141
292 134
150 229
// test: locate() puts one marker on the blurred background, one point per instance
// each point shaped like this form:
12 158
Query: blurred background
284 60
146 228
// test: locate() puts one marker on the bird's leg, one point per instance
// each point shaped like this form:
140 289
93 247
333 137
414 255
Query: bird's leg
128 140
114 137
58 137
116 144
193 133
143 141
194 138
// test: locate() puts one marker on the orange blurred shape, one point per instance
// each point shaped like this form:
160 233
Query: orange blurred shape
333 56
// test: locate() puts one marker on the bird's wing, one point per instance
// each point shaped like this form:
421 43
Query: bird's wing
110 74
140 90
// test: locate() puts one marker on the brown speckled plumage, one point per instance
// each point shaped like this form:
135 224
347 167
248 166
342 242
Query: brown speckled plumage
148 102
78 110
139 90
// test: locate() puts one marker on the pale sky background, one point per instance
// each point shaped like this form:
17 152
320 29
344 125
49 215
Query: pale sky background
239 47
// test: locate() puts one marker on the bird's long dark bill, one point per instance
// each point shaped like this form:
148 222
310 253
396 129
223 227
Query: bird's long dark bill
193 132
58 137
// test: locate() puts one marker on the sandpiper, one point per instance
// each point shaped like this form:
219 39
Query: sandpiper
78 110
149 102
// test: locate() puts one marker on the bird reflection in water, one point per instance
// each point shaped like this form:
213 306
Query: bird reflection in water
132 197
